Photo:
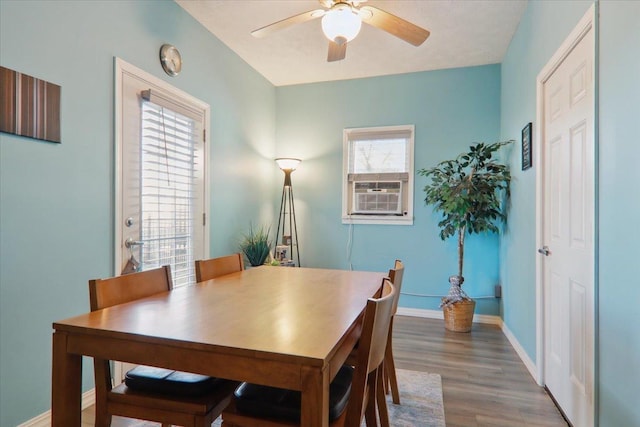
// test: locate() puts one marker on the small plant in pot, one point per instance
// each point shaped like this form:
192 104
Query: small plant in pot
256 245
469 191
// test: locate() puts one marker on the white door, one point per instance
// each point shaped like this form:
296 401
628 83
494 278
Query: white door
567 136
160 177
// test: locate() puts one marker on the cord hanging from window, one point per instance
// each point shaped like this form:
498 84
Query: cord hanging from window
166 151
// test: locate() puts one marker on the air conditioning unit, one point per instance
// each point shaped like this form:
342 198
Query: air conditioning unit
377 198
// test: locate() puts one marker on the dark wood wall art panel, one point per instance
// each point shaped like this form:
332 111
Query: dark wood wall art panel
29 106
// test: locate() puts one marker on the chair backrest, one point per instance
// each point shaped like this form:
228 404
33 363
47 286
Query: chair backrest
105 293
395 275
129 287
216 267
371 350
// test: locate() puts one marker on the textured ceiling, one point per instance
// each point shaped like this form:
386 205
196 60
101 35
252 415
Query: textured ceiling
463 33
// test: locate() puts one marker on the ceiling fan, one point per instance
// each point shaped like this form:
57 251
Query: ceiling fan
341 23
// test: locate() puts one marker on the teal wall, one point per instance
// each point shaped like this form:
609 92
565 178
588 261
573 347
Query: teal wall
56 200
619 293
450 109
542 29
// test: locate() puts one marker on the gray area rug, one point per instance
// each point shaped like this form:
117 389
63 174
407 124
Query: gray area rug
420 401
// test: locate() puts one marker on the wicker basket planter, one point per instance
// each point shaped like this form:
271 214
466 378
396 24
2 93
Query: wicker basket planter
458 317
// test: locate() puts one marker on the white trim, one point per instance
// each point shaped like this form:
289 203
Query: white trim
44 419
528 363
121 67
581 29
378 220
374 219
419 312
437 314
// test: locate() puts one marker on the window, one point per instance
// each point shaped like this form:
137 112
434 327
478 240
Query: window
170 180
161 185
378 175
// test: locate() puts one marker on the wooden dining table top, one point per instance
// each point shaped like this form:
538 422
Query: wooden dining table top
274 312
280 326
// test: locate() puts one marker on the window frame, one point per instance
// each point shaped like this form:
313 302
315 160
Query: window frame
408 191
177 96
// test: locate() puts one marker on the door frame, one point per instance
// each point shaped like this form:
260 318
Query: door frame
122 67
586 23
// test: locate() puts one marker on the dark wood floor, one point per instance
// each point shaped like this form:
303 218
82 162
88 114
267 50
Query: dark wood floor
484 382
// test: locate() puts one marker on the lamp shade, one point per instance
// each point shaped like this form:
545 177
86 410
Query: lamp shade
288 163
341 24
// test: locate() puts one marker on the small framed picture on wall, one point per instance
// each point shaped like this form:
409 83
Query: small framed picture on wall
527 159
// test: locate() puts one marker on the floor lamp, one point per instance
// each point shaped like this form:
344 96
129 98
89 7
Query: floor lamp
287 216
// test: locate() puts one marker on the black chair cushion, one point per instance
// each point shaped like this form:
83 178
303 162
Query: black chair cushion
166 381
270 402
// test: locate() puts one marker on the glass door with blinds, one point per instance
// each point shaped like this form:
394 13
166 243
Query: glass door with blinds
161 188
170 184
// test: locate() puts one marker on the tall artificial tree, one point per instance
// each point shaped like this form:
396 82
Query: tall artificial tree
470 191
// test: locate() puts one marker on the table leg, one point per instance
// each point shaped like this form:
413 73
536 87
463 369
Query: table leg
315 388
66 379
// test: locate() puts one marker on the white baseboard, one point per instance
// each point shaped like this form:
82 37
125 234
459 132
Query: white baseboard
528 363
419 312
437 314
44 420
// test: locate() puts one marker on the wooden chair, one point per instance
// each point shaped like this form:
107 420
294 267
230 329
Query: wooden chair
389 367
391 382
216 267
166 408
254 406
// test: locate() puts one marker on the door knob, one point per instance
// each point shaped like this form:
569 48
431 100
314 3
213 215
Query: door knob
129 243
544 251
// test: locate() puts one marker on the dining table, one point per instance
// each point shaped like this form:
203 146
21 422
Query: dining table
286 327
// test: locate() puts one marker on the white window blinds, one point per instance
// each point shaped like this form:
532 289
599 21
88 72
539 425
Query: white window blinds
379 152
379 156
377 184
170 180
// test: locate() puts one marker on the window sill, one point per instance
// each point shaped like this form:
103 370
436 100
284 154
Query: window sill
377 220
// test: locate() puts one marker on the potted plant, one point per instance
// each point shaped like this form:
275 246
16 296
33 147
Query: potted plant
469 191
256 245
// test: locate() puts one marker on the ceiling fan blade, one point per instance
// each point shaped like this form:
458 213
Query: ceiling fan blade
394 25
337 52
287 22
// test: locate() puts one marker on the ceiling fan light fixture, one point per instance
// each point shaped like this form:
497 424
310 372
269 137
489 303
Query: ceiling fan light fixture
341 24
